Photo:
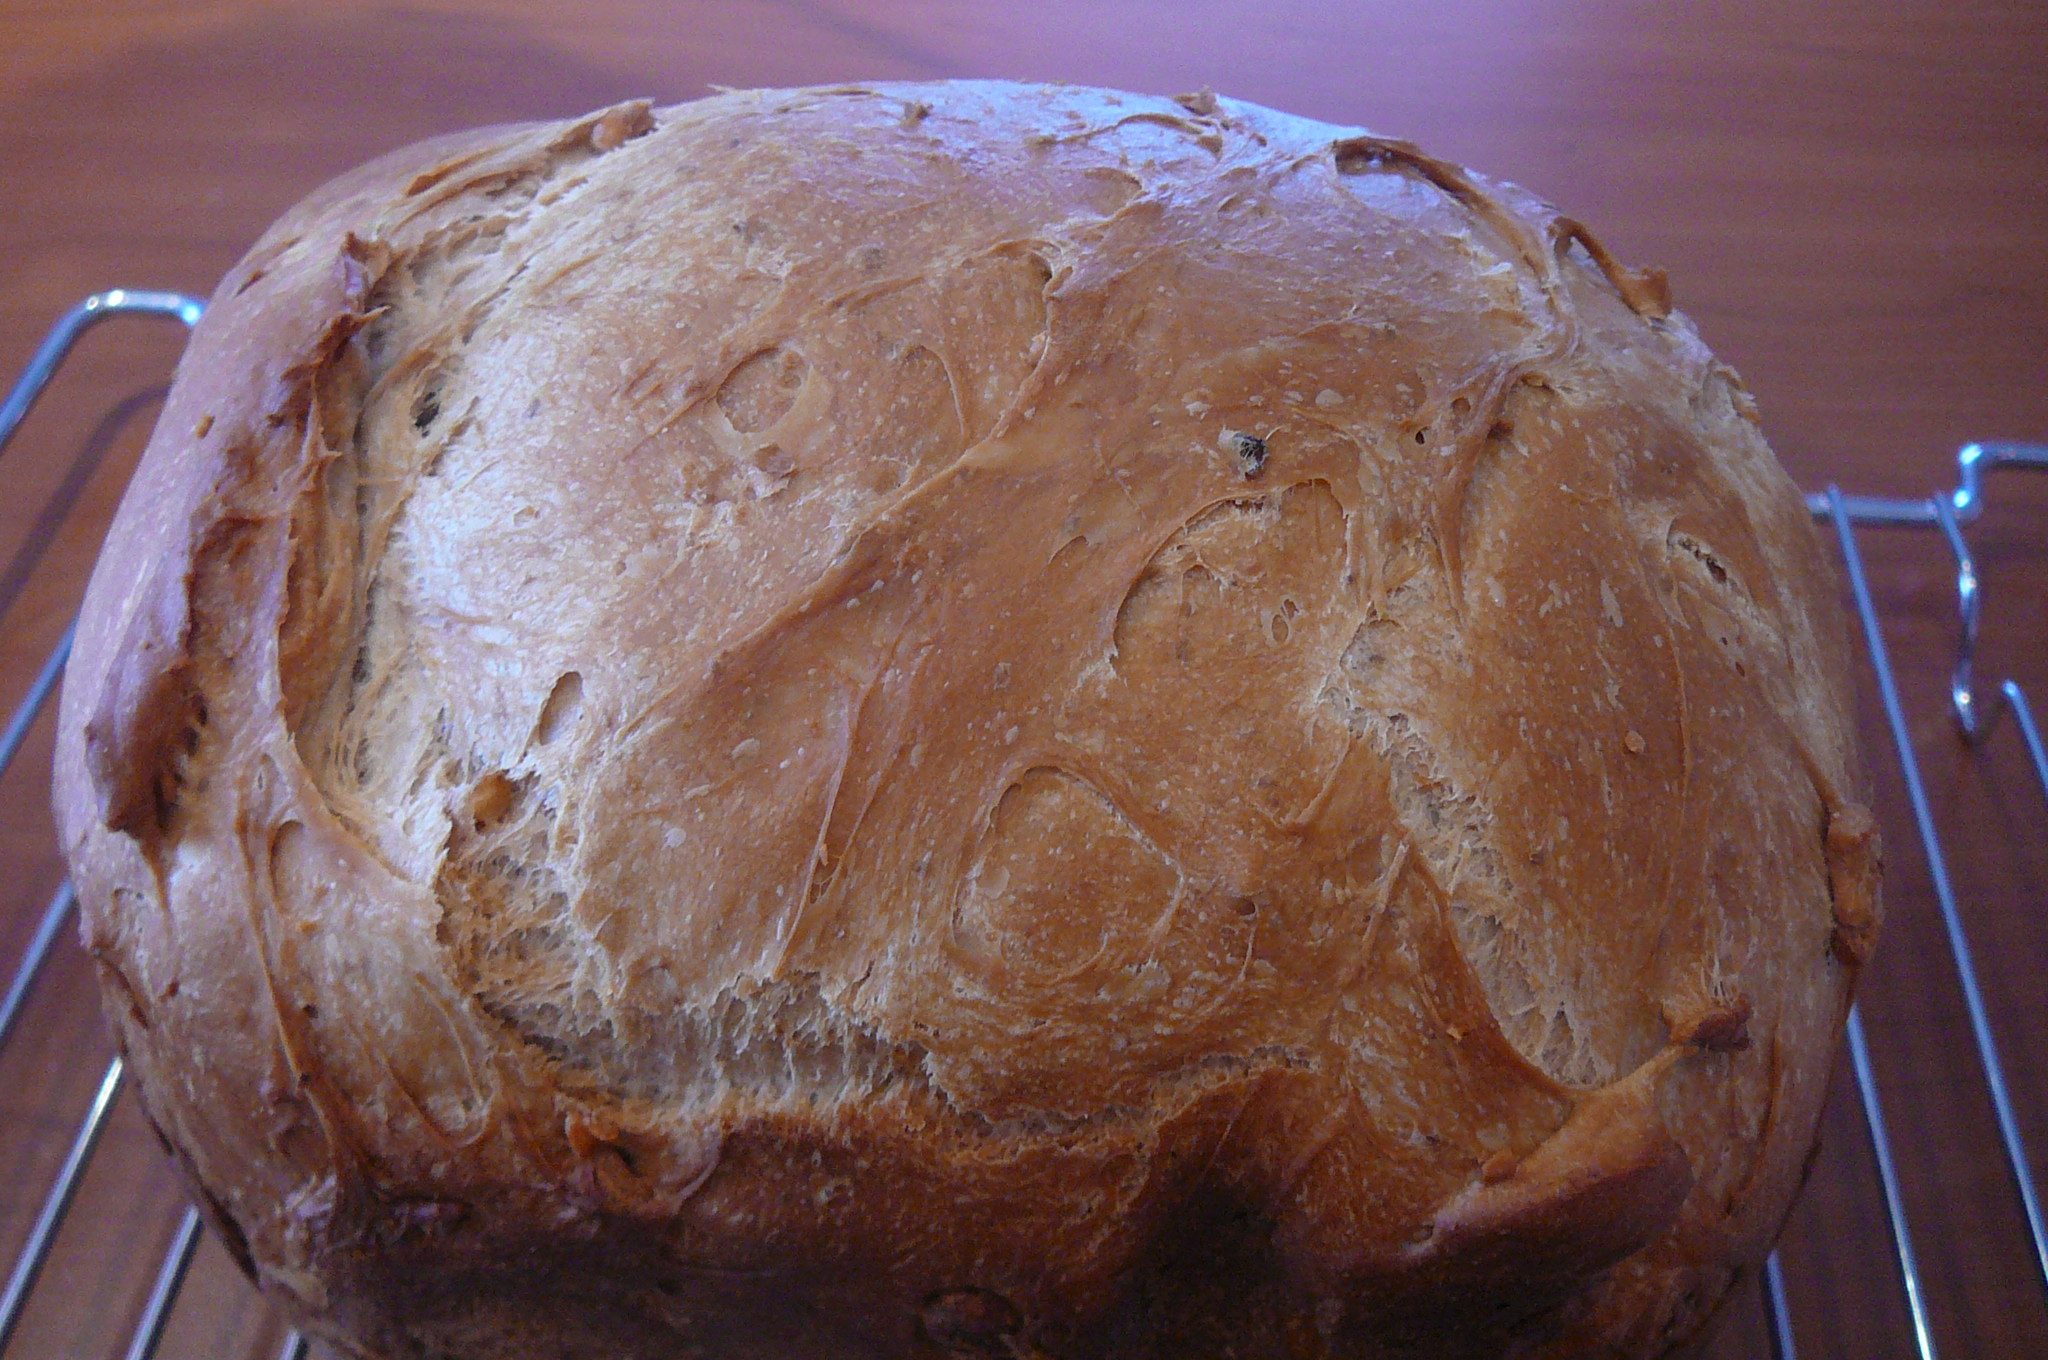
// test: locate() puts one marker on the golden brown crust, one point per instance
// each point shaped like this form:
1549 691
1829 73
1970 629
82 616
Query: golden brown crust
967 719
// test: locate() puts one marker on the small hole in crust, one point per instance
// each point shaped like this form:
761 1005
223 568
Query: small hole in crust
620 126
1357 156
1701 553
1248 448
490 801
564 705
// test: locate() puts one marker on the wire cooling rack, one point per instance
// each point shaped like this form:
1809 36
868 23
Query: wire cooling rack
1976 711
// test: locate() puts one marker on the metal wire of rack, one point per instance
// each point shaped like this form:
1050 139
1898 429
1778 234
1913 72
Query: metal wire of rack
1976 717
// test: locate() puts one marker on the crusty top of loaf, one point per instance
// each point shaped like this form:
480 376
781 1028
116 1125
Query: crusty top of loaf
1063 647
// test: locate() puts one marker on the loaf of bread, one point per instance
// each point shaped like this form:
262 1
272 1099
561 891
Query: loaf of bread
966 719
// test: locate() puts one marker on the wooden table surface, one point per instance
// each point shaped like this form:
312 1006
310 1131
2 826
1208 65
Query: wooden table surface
1851 198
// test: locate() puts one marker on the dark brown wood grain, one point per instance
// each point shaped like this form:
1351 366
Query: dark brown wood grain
1851 201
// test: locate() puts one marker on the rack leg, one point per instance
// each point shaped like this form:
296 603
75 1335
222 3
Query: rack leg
149 1329
44 1234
